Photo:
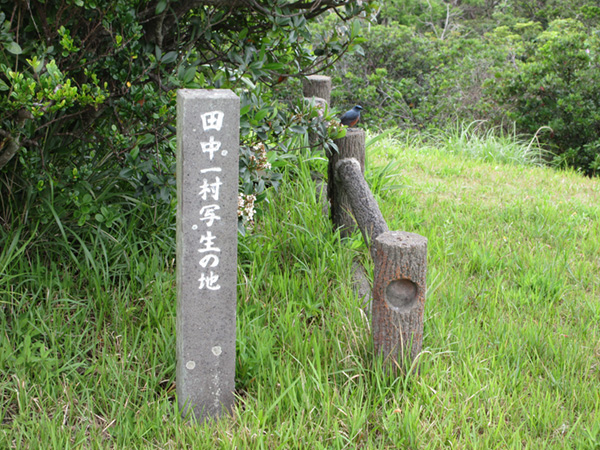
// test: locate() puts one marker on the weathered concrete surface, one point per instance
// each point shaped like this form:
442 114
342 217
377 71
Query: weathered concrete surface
207 190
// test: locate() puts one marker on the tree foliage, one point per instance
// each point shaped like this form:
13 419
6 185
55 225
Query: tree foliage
553 91
87 92
429 63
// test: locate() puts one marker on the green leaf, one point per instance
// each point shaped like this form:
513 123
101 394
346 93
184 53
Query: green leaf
135 151
169 57
53 70
153 178
126 173
298 129
249 83
145 140
13 48
36 64
241 228
261 114
356 28
189 74
161 6
274 66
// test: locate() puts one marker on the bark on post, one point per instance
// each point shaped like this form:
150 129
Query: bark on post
349 179
313 138
317 86
350 146
399 296
317 90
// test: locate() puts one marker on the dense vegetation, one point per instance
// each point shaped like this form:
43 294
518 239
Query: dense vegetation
87 227
87 94
533 65
87 89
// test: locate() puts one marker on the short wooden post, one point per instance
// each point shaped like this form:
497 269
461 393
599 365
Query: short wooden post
317 86
399 295
350 146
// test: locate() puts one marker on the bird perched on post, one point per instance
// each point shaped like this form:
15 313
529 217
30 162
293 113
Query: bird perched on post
351 117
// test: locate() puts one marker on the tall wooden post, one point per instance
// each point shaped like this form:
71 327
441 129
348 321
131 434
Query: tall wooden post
317 91
350 146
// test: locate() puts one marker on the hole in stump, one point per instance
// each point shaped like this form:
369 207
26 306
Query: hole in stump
401 295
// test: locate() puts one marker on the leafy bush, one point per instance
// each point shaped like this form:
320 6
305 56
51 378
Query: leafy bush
409 79
553 92
392 77
87 91
546 11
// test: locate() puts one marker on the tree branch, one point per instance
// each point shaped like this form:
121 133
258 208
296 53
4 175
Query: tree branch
11 148
13 144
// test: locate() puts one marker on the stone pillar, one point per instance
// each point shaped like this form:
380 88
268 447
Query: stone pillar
317 86
399 289
350 146
207 193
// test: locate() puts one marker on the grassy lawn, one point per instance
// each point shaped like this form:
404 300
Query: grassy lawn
511 353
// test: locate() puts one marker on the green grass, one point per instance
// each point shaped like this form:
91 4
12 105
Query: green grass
511 347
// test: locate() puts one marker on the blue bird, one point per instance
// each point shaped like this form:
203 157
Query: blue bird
351 117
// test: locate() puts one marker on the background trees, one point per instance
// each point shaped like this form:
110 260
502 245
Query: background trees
428 64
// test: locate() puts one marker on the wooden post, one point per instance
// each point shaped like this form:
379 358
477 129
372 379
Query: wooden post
317 90
350 146
313 137
350 180
317 86
399 295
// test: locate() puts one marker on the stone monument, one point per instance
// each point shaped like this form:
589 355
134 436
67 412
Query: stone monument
207 191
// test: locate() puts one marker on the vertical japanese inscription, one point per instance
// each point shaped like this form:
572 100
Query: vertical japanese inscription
207 184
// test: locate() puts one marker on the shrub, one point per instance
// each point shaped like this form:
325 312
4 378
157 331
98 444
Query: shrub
87 93
555 85
408 79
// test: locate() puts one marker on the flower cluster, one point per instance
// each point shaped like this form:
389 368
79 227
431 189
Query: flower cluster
259 161
334 127
246 207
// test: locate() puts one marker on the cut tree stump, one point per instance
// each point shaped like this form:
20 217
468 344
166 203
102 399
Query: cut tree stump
317 86
399 296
